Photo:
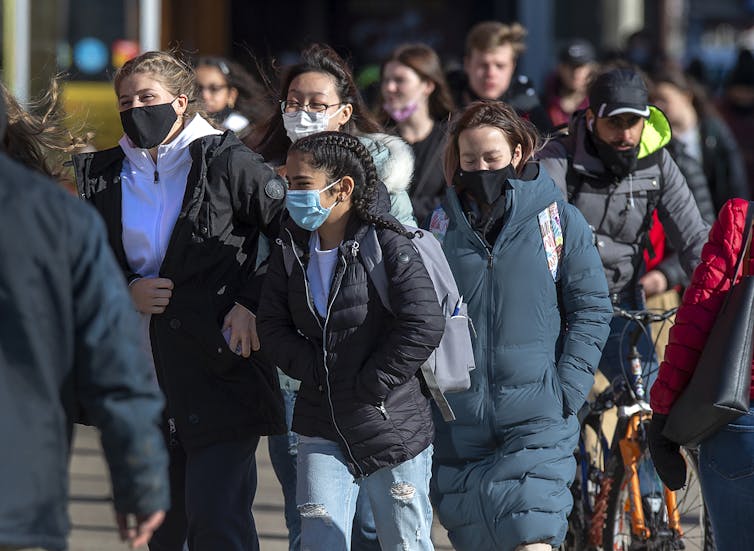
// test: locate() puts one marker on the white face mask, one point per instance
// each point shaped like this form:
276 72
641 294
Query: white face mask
300 124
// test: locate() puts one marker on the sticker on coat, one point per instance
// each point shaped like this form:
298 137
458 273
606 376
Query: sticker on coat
438 223
552 238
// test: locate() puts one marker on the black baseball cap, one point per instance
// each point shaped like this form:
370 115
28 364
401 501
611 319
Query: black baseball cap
619 91
577 52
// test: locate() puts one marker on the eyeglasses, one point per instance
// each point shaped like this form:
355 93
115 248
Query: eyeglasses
211 88
287 106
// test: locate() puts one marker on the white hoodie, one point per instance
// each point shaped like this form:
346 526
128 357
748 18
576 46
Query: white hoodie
152 199
153 195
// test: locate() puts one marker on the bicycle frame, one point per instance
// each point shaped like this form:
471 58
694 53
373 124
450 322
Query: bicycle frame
630 449
629 441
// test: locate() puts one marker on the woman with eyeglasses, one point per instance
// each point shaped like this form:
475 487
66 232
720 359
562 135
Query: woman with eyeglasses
319 93
185 206
231 96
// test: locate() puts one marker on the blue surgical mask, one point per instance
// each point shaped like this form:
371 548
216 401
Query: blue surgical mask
305 208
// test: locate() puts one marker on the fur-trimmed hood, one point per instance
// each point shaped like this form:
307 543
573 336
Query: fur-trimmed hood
393 158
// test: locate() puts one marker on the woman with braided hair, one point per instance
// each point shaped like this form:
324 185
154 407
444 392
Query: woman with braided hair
363 420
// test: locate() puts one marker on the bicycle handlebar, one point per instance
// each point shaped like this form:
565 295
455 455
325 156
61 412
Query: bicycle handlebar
644 317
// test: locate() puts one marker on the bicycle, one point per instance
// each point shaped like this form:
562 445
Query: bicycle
619 502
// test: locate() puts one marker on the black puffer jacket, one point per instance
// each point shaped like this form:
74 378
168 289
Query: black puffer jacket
231 196
358 367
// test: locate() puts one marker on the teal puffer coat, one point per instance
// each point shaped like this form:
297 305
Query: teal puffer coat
502 469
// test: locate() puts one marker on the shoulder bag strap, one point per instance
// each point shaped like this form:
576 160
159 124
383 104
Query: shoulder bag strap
745 245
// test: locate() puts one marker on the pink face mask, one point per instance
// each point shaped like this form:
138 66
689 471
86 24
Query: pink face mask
402 113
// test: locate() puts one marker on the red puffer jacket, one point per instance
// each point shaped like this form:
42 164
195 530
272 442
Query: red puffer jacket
701 303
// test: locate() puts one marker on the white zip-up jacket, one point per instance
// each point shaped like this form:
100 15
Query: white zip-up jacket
153 194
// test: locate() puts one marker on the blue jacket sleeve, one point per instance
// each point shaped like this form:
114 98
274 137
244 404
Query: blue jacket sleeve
586 309
114 383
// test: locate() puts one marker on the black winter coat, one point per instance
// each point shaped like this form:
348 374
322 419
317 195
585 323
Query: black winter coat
722 160
697 181
358 367
212 394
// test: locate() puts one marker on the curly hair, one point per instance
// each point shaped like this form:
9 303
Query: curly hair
40 141
175 75
339 154
517 131
317 58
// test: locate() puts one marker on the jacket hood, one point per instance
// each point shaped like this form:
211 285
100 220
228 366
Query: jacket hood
533 192
393 158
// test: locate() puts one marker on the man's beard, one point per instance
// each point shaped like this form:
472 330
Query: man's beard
619 162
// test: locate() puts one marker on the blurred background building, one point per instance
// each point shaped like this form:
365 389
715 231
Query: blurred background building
87 40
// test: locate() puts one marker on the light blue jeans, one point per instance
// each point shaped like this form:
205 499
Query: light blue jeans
283 449
326 494
726 471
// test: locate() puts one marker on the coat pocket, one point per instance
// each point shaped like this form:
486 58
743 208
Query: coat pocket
207 336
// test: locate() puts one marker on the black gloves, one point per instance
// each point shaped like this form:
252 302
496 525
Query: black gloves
666 454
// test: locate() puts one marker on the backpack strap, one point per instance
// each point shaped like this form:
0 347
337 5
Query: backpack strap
371 255
653 199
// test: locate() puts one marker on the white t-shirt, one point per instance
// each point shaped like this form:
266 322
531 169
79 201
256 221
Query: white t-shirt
320 272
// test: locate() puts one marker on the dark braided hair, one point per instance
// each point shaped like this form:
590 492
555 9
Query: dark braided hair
340 154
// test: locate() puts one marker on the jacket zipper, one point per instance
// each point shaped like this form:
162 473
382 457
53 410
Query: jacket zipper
306 281
334 294
158 223
490 297
323 327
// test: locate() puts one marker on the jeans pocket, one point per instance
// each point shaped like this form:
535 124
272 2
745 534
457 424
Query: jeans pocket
729 452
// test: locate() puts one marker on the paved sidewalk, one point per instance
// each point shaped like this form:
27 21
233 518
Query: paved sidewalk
91 508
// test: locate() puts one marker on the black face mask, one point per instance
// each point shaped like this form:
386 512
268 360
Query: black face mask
620 163
485 186
149 125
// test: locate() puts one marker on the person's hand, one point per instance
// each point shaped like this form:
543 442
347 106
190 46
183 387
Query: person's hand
140 532
654 282
151 294
243 330
666 454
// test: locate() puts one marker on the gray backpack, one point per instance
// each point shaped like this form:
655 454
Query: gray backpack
447 368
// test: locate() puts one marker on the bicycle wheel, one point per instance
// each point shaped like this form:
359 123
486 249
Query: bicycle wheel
590 458
695 524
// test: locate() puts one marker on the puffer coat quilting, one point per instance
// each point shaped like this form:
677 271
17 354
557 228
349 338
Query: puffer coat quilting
358 368
502 469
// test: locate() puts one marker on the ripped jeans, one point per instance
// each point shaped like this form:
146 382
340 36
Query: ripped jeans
326 495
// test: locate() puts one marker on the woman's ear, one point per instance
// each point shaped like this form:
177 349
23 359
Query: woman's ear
517 155
346 188
181 103
345 115
232 96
